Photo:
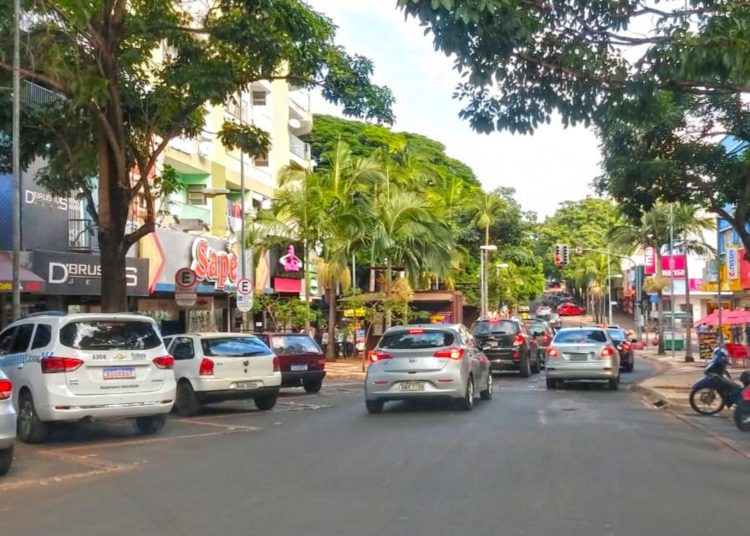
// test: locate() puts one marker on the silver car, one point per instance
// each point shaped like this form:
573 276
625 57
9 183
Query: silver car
7 424
427 361
583 354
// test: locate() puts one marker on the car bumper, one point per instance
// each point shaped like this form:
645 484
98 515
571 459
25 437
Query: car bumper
593 372
237 394
207 385
295 379
7 425
438 384
504 360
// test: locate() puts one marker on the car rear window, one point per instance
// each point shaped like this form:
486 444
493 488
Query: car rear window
415 339
234 347
502 327
581 336
618 335
110 335
294 345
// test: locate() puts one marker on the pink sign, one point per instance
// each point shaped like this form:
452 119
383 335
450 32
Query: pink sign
679 266
650 261
696 284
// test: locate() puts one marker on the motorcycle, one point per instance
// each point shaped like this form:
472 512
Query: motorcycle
742 410
717 389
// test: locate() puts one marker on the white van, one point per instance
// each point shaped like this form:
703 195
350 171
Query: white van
69 367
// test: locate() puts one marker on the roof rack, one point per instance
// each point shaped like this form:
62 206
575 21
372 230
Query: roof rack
45 313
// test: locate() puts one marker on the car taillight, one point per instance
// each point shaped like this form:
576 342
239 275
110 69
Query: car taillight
276 364
606 352
416 331
164 362
60 364
206 368
376 355
322 364
5 389
552 352
626 346
546 338
746 395
518 340
450 353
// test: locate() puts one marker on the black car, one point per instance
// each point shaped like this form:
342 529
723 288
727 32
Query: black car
620 338
542 333
508 345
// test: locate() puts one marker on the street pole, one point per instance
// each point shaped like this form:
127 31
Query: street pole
718 291
242 219
671 274
482 310
688 331
609 287
16 159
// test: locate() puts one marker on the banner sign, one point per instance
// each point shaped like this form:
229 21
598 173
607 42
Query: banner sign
733 263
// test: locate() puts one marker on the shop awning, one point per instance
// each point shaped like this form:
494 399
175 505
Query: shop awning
30 282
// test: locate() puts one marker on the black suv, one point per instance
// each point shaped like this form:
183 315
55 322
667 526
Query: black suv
508 345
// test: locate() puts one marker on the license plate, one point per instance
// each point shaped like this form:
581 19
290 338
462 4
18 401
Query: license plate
491 344
296 368
412 386
119 373
247 385
579 357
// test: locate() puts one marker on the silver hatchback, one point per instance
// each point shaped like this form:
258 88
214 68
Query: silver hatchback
582 354
427 361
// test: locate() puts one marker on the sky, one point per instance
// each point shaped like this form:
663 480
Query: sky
554 164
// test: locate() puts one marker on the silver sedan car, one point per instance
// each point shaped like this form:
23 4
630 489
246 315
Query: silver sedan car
427 361
583 354
7 424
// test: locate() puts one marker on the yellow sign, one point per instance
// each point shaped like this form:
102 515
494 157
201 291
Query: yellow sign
5 286
727 285
351 313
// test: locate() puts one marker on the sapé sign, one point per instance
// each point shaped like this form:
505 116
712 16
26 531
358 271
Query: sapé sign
218 267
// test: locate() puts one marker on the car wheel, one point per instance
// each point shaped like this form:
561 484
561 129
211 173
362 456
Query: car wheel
374 406
614 383
150 425
525 371
30 428
187 403
487 393
551 384
265 403
536 368
6 459
467 402
313 386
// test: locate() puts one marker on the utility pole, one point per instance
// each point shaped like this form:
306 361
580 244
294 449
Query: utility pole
688 335
16 159
671 273
609 287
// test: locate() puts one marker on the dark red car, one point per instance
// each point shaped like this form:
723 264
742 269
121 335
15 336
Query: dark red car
301 360
570 309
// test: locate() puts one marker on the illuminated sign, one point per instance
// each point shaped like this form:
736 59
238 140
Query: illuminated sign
218 267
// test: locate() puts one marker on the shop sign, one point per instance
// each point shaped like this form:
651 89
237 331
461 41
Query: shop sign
290 261
352 313
218 267
670 262
649 257
733 270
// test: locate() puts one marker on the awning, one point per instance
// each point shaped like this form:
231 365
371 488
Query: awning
30 282
283 284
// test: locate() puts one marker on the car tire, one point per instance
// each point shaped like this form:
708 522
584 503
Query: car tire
487 393
525 370
374 406
614 383
6 460
150 425
536 368
312 386
186 403
30 429
551 384
467 402
266 403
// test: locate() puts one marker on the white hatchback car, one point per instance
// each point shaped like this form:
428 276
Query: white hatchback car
215 367
87 366
7 424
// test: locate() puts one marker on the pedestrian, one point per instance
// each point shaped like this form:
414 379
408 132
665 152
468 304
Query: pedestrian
338 334
324 340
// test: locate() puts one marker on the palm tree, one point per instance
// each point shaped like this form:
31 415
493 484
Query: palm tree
488 206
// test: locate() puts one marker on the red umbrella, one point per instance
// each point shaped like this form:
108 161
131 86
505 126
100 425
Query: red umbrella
738 316
712 319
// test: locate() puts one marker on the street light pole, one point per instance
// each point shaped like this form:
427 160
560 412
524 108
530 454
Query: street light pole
16 159
483 268
482 310
671 273
609 287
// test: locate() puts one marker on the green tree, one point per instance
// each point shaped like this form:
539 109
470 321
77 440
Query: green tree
131 75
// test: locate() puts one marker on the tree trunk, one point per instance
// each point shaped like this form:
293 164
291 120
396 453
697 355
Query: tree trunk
330 349
305 262
114 203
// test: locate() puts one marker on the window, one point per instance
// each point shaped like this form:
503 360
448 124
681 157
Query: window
416 339
183 348
6 340
500 327
23 338
234 347
581 336
110 335
261 161
618 335
259 98
42 336
195 195
294 345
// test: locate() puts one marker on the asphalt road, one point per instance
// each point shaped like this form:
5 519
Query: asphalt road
577 462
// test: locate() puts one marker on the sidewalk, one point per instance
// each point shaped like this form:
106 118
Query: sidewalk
345 369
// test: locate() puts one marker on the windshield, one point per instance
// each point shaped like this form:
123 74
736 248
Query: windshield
502 327
414 339
617 335
234 347
581 336
110 335
294 345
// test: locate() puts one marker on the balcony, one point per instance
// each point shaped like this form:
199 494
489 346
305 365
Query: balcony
188 217
82 235
35 94
299 148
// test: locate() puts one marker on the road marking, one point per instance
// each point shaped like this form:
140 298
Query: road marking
228 427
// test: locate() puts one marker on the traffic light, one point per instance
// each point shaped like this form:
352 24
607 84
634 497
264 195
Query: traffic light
565 254
558 254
